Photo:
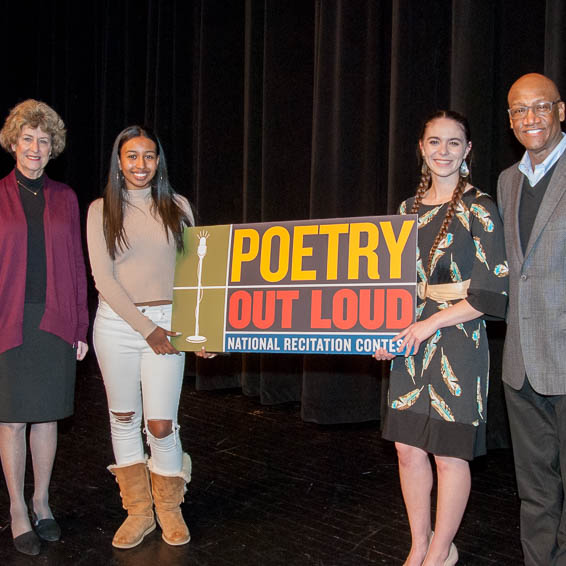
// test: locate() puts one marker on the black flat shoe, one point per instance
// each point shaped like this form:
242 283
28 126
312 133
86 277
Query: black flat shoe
28 543
47 529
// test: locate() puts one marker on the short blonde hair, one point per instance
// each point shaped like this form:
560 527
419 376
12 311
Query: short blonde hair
33 113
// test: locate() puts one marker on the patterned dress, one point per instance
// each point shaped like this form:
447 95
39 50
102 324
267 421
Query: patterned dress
437 399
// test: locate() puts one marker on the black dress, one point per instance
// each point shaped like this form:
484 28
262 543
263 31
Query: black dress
437 399
37 378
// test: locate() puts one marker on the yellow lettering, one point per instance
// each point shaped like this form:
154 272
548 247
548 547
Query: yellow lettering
396 246
299 252
356 250
333 231
266 250
239 256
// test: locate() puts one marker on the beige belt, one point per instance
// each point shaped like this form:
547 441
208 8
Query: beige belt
444 291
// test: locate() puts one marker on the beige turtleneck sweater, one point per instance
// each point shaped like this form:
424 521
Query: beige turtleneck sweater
141 273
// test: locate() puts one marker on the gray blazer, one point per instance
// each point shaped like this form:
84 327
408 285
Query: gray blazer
536 318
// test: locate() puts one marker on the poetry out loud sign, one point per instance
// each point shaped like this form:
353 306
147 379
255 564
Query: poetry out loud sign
334 286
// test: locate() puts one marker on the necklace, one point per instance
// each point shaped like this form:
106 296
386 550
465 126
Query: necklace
34 193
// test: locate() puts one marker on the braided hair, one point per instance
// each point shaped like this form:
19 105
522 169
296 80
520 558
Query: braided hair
426 181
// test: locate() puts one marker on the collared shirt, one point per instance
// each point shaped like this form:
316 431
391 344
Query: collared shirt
540 170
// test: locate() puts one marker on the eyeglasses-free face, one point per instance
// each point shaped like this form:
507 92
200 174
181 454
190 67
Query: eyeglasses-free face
138 162
444 147
33 150
541 108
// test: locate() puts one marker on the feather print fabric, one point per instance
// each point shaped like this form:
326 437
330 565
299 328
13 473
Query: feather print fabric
446 381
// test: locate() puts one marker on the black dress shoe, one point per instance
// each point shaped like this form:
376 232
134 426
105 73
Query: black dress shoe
28 543
47 529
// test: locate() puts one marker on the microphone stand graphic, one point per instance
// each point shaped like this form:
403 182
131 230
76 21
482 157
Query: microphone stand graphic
201 252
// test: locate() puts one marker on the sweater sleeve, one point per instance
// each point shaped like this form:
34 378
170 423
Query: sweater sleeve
102 267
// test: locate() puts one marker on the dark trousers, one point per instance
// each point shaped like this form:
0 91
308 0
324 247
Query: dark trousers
538 432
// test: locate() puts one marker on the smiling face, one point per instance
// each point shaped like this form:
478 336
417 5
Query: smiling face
32 151
138 162
538 134
444 147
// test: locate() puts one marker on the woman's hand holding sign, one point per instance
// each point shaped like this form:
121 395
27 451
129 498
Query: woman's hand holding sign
421 330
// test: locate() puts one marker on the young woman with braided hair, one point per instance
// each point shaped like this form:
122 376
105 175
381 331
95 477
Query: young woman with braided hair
437 398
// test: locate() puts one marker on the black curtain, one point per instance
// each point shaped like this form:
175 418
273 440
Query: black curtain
273 110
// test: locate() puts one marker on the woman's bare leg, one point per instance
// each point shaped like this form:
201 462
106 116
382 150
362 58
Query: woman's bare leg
415 472
454 482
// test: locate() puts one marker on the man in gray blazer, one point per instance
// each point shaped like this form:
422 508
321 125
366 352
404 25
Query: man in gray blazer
532 201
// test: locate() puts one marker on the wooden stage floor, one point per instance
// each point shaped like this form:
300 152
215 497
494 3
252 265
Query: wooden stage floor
267 490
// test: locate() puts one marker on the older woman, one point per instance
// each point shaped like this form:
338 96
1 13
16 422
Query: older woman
43 313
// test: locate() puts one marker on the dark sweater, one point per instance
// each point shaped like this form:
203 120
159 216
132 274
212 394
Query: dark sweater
531 197
33 202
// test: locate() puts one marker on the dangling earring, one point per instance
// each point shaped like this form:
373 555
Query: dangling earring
464 169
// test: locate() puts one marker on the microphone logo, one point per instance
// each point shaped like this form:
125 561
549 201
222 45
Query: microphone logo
202 249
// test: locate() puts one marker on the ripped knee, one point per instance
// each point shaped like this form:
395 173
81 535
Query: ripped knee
160 428
123 417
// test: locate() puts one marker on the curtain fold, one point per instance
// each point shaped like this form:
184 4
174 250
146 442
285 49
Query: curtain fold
272 110
554 46
344 182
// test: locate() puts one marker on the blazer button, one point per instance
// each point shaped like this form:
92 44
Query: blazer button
524 277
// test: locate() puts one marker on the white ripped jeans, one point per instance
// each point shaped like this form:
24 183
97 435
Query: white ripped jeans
139 383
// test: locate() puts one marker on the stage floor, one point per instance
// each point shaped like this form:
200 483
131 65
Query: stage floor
267 490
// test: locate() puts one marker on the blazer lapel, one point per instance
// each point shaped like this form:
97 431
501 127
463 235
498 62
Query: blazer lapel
516 189
554 192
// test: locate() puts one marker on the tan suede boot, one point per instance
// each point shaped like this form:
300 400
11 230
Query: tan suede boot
136 499
168 494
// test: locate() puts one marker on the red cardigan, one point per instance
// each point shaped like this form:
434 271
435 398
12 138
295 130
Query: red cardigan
66 312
